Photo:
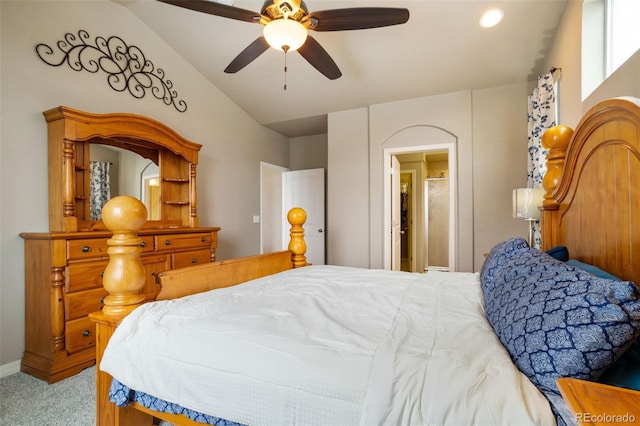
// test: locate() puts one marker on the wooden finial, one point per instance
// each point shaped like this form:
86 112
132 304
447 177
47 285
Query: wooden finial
124 277
556 140
298 247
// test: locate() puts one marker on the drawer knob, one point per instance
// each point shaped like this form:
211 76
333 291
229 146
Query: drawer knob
86 333
203 239
86 249
167 242
143 244
194 260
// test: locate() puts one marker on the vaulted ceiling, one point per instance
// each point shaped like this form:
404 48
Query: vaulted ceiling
441 49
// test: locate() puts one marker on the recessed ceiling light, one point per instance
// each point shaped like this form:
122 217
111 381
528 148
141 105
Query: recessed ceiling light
491 18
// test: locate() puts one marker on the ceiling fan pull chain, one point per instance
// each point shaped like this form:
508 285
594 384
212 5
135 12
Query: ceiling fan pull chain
285 48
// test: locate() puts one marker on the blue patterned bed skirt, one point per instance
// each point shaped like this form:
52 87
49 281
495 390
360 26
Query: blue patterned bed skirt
122 395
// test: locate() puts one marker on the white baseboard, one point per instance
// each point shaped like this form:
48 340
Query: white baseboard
9 369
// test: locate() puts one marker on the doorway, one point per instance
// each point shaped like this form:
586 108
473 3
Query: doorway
280 190
426 195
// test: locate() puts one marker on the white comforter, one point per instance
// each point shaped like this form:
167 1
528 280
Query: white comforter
328 345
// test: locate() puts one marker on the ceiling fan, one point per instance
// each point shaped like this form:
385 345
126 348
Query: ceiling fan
286 23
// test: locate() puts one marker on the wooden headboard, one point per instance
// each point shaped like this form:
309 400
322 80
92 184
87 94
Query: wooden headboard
592 203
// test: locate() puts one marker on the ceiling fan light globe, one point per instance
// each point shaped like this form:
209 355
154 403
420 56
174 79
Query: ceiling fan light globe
285 32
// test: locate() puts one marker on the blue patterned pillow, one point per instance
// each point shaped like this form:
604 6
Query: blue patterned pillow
556 321
498 255
625 372
559 252
592 269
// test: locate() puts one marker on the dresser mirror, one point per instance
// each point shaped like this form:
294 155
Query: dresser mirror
150 190
118 171
146 160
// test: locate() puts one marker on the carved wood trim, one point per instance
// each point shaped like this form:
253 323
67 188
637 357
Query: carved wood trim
194 196
57 310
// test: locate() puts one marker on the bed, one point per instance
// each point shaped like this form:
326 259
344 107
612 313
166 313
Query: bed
271 340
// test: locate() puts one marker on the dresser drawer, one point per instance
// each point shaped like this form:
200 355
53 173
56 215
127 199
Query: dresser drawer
97 247
87 248
147 243
84 275
193 257
82 303
182 241
80 334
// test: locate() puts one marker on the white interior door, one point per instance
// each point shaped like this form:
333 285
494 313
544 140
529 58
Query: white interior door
395 215
305 189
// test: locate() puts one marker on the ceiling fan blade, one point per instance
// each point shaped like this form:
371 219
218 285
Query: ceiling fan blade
357 18
319 58
251 52
218 9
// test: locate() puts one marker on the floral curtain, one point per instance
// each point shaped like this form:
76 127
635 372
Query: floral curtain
541 116
99 187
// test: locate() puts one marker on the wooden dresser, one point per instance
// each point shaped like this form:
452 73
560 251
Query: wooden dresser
64 267
63 284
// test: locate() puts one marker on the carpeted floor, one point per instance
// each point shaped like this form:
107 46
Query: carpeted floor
27 401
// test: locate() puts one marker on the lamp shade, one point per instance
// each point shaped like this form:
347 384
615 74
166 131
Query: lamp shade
285 34
526 202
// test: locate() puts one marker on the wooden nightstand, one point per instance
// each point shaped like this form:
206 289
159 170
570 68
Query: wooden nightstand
598 404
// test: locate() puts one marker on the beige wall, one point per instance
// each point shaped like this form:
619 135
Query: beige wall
348 189
308 152
499 164
436 168
489 129
233 143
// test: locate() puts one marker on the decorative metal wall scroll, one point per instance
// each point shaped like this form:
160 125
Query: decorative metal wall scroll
126 66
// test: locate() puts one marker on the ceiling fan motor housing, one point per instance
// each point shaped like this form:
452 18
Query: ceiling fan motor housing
278 9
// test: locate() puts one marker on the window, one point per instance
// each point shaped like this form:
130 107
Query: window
610 35
624 32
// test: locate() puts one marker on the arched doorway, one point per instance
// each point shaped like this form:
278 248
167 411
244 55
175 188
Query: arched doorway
403 145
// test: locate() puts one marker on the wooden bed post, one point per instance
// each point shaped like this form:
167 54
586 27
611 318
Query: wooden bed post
124 278
297 246
556 140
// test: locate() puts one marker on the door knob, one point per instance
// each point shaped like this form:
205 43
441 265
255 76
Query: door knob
320 231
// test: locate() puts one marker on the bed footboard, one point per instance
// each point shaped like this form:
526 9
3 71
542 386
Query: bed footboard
195 279
125 277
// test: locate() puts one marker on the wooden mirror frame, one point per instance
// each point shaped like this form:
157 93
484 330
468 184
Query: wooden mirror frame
70 134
